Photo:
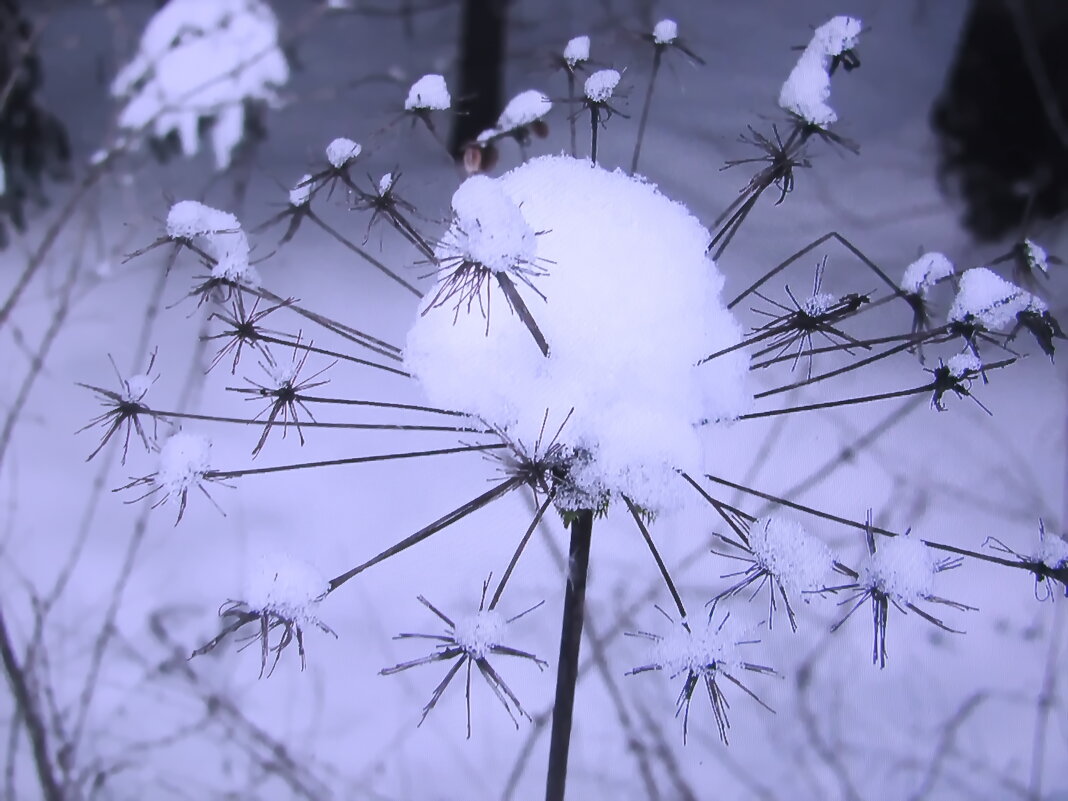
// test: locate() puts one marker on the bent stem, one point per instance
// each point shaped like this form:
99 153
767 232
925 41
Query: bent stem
567 667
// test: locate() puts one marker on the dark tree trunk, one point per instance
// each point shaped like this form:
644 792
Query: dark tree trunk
481 79
1002 118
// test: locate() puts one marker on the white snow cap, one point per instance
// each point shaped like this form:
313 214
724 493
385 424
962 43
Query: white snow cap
901 567
341 151
429 93
818 303
301 192
285 586
136 387
665 32
198 60
600 86
808 87
925 272
987 298
620 263
478 633
523 109
577 50
221 237
787 551
964 363
488 229
385 183
183 461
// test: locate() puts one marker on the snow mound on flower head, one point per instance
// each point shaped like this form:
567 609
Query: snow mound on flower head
902 568
632 304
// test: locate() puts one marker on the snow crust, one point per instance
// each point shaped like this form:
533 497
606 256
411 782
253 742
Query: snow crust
183 461
665 32
523 109
808 87
220 235
902 568
632 305
341 151
987 298
925 272
429 93
600 86
285 586
478 633
198 60
577 51
787 551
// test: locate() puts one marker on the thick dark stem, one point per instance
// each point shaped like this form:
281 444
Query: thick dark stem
571 117
645 110
482 50
595 119
567 667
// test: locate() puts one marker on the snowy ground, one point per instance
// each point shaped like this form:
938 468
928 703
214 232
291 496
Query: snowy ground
950 716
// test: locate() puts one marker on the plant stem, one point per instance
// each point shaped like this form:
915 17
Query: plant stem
571 117
567 667
645 110
595 118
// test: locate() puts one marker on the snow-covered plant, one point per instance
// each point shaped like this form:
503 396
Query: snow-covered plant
574 326
198 61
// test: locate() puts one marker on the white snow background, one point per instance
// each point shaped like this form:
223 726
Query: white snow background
950 716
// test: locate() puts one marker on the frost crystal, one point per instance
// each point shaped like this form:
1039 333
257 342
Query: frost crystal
183 461
480 632
925 272
619 260
600 86
819 304
785 550
488 228
665 32
987 298
223 239
964 363
808 87
301 193
523 109
577 50
286 587
429 93
199 60
341 151
901 568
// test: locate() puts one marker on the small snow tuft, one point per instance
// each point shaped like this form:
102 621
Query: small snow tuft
1052 550
818 304
837 35
1036 257
342 151
477 634
694 647
988 299
577 51
925 272
300 194
190 218
284 586
429 93
136 387
901 568
385 183
600 86
488 228
523 109
665 32
788 552
963 364
222 239
183 461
